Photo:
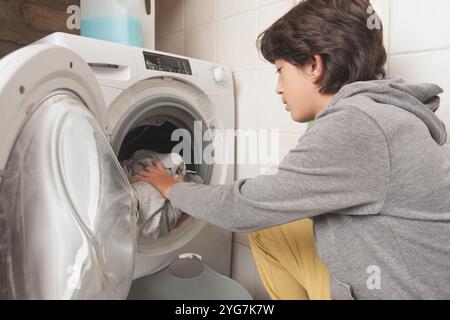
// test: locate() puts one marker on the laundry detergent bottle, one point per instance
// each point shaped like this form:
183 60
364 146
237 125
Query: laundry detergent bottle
113 20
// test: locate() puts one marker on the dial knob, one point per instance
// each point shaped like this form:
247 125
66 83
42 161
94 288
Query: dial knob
219 75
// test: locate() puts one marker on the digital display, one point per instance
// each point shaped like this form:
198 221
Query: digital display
159 62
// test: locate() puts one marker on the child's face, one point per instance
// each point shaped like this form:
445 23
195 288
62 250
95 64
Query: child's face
298 89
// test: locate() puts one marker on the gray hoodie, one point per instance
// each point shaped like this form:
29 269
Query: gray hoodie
374 175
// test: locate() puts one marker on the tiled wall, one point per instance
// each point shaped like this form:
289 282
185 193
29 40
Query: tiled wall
225 31
420 45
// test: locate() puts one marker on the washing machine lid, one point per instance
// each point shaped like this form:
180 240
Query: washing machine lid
67 215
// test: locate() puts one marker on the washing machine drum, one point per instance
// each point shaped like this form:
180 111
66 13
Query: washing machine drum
67 215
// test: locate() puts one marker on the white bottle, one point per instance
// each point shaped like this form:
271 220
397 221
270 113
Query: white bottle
116 20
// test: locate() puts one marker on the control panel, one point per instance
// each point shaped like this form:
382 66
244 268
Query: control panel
159 62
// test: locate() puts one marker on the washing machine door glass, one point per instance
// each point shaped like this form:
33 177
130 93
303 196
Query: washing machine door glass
67 215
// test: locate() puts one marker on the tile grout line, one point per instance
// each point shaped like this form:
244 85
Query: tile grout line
404 53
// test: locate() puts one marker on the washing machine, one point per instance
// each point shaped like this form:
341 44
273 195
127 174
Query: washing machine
72 108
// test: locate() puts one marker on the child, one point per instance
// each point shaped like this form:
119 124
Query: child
372 173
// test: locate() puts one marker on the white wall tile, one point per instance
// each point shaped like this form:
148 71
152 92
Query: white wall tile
263 3
247 171
266 17
200 42
288 141
423 67
274 115
418 25
236 41
197 12
227 8
269 14
169 16
266 158
261 151
173 43
247 157
246 90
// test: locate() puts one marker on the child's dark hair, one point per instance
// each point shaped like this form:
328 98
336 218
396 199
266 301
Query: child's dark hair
342 32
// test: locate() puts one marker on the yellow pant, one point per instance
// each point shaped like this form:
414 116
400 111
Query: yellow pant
288 263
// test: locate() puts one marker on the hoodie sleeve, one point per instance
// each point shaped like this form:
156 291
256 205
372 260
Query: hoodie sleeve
340 165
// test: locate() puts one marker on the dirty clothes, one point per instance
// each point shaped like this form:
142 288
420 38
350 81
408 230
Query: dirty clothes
157 217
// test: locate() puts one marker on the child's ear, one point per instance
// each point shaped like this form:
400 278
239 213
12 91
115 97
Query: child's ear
315 68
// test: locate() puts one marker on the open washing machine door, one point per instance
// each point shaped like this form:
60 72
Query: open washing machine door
67 215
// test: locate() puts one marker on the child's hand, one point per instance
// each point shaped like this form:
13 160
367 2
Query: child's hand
158 177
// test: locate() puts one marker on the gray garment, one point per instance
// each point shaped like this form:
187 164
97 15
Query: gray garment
157 217
374 175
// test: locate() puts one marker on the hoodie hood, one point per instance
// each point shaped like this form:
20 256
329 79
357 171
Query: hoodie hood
422 100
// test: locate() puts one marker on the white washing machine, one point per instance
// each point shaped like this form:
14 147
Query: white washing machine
71 109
